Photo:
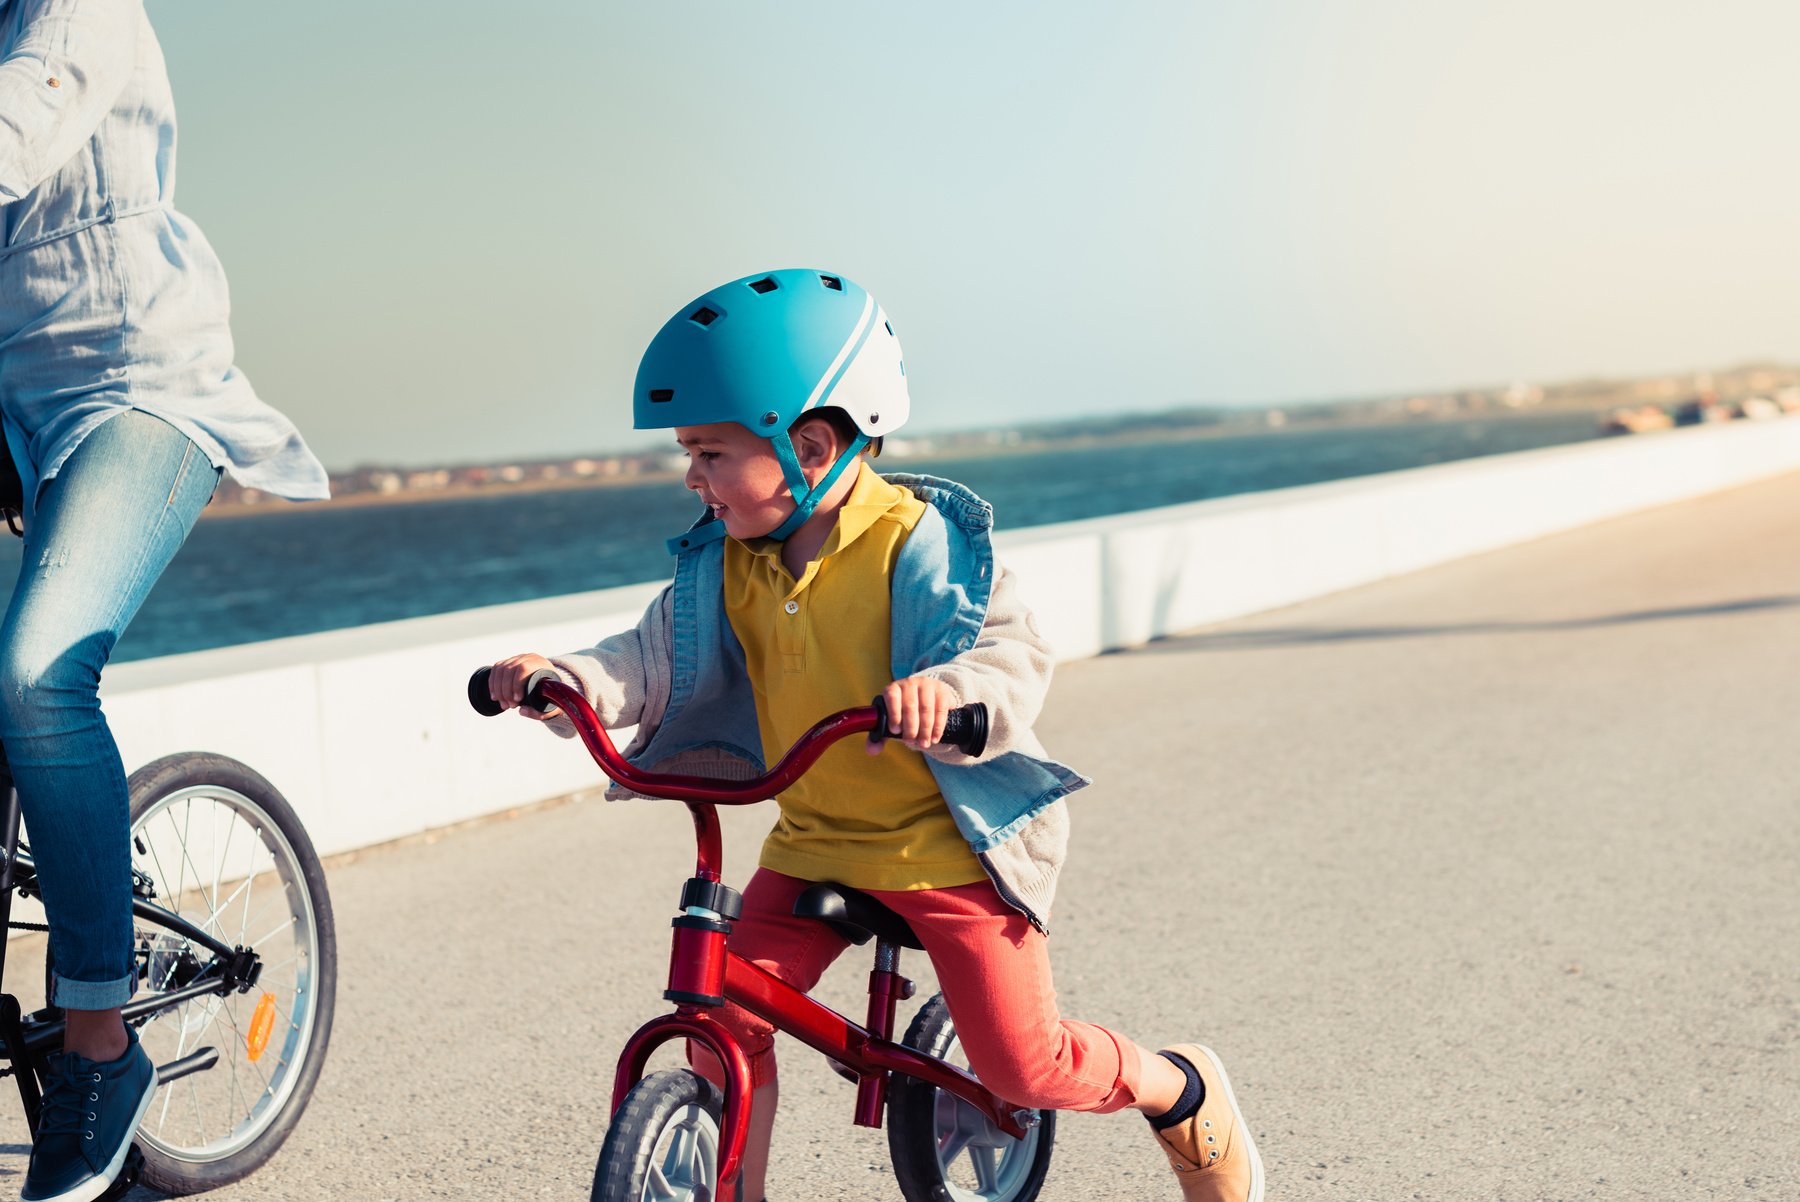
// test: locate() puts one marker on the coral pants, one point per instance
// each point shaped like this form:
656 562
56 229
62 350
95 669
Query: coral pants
994 969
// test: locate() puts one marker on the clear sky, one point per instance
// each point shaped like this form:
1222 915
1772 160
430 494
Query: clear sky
451 226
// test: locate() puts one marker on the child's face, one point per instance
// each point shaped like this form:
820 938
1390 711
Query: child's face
737 474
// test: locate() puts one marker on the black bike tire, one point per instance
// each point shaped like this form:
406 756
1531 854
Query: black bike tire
912 1107
637 1126
191 769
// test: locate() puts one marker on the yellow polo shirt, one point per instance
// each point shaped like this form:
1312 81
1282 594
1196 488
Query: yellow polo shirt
820 644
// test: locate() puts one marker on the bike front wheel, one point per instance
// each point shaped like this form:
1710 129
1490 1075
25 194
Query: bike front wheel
217 844
945 1150
663 1143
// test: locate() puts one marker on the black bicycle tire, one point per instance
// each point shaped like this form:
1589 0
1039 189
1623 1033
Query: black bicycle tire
191 769
912 1104
637 1125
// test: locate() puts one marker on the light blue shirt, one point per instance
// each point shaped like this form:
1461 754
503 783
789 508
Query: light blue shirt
109 298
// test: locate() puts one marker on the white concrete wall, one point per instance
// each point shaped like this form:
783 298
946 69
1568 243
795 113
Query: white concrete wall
367 731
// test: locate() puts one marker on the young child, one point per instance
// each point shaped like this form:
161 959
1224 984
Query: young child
812 584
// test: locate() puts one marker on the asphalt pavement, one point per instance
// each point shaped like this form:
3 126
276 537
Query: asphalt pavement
1482 881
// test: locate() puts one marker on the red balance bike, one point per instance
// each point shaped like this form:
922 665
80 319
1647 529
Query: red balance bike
673 1138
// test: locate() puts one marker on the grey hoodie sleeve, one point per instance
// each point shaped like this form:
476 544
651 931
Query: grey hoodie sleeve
624 677
1008 668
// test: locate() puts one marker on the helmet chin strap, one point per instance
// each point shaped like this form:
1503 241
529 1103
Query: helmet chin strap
807 497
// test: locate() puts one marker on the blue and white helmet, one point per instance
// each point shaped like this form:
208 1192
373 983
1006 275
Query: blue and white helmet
767 350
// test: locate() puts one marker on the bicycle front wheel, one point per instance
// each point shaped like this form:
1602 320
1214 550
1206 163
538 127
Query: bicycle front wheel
220 846
663 1143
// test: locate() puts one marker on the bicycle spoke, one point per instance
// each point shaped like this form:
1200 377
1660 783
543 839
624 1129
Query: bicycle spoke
284 926
251 1063
986 1162
212 920
217 854
249 887
955 1135
212 1021
260 911
181 864
194 1098
242 885
241 1039
163 873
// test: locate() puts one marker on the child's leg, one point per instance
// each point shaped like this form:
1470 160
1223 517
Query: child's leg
994 969
798 950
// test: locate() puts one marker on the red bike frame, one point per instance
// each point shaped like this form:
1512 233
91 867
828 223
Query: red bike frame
706 974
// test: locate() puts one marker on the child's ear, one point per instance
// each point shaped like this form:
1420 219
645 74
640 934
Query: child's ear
815 443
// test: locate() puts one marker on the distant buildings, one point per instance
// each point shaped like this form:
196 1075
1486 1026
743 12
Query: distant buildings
1753 392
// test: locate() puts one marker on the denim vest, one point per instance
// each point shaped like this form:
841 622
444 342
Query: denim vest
941 584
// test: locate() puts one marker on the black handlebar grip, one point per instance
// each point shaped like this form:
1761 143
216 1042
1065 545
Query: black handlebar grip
965 728
483 701
479 698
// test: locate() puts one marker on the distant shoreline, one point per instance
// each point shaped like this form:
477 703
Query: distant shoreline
1025 446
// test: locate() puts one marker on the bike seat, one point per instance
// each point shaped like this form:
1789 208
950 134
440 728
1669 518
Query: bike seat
854 915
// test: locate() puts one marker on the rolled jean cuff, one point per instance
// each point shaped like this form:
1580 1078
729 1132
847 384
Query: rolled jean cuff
92 995
1131 1077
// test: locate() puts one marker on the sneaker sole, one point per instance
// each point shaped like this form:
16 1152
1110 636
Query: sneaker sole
94 1186
1256 1169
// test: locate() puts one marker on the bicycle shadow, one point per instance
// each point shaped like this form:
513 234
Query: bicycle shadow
1298 636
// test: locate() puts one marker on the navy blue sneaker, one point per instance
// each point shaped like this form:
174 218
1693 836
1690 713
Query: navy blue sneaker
91 1111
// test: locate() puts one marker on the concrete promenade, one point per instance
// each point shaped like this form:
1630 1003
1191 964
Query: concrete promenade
1482 880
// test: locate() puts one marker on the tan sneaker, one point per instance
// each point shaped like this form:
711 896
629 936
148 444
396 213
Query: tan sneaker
1212 1153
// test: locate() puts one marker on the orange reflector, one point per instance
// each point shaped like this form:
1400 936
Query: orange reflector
261 1023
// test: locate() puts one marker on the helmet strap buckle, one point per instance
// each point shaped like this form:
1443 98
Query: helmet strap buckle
807 497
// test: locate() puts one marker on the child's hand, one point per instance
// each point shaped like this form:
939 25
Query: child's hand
918 707
506 684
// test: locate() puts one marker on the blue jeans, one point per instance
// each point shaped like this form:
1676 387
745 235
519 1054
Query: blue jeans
106 526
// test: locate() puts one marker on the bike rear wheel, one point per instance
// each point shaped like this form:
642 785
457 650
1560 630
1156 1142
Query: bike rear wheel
945 1150
663 1143
221 847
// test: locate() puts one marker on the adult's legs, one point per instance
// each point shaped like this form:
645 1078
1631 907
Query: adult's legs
105 528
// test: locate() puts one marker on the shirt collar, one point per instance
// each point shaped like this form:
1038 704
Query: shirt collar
870 498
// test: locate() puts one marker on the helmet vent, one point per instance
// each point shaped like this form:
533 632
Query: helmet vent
832 282
660 396
766 284
703 316
890 328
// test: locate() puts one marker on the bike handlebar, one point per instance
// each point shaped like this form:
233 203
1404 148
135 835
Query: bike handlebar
966 729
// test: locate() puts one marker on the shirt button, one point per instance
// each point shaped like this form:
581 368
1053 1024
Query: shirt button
792 607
